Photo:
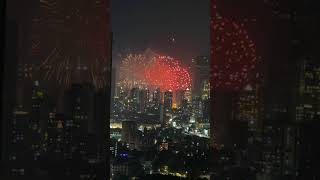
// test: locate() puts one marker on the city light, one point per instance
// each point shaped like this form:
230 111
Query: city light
245 107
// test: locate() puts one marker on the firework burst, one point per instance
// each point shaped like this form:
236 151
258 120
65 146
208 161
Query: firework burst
234 54
167 74
132 68
70 41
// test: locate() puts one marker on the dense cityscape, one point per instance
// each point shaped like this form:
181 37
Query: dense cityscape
160 111
157 130
210 89
252 114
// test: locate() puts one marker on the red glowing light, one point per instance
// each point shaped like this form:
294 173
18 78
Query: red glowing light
167 74
234 56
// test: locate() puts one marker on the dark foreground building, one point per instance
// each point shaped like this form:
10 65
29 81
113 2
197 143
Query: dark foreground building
56 90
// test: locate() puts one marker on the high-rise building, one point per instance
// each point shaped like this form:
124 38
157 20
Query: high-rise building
79 103
39 108
120 92
188 94
248 107
25 85
156 97
168 101
113 84
201 74
280 144
8 79
30 59
206 110
222 115
143 99
197 107
180 96
308 150
162 114
308 101
134 99
102 115
80 107
86 116
19 144
129 133
205 91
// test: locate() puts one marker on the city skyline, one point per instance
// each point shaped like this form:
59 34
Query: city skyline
162 88
177 89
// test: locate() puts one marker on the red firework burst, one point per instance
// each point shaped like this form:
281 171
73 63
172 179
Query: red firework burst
167 74
234 54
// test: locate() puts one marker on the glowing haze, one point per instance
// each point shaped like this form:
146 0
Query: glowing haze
132 68
164 72
167 74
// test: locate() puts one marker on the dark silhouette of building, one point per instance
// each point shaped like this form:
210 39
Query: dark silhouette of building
129 133
308 150
39 138
156 98
3 42
143 99
8 95
168 101
222 115
201 74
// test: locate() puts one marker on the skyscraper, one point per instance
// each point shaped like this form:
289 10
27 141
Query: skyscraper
134 99
222 115
180 96
201 74
113 84
80 107
205 90
16 16
39 108
86 116
308 90
188 94
143 99
248 107
129 133
197 107
168 101
19 151
8 91
49 46
156 97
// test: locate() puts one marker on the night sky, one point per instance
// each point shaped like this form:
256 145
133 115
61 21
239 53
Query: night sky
141 24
